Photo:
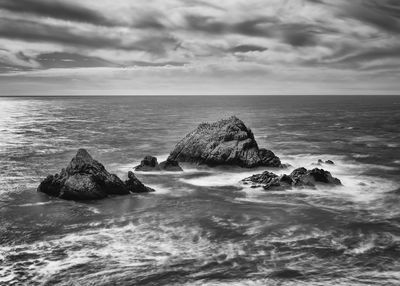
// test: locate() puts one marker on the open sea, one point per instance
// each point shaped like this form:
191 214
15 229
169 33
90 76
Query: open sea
202 226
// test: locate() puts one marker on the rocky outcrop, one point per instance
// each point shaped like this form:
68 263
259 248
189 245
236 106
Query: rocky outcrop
300 177
86 179
226 142
150 163
135 186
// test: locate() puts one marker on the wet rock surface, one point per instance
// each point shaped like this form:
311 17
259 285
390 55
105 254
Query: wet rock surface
135 186
86 179
225 142
300 177
150 163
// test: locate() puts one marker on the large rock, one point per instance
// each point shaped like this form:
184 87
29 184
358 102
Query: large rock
150 163
300 177
226 142
85 179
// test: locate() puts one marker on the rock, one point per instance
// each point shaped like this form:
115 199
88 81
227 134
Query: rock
300 177
226 142
135 186
265 179
304 177
150 163
84 179
328 162
170 166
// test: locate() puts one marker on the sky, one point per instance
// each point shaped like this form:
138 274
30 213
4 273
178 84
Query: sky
232 47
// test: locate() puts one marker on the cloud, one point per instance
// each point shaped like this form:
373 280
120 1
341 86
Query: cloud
228 38
63 10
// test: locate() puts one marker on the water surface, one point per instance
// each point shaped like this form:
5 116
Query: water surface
201 227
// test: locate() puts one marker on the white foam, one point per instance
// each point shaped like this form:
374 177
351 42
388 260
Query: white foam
357 187
94 210
220 179
37 204
361 156
162 190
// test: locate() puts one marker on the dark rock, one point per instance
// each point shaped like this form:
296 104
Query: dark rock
265 179
328 162
300 177
150 163
83 179
170 166
226 142
135 186
305 177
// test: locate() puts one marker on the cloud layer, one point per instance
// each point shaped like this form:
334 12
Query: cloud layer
178 46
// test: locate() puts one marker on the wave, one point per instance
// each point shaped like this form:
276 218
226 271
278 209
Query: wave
149 245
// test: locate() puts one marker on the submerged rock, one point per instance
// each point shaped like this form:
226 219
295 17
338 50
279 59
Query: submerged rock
226 142
300 177
150 163
84 179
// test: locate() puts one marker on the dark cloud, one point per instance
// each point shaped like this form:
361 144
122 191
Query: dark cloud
38 32
255 27
247 48
296 34
56 9
382 14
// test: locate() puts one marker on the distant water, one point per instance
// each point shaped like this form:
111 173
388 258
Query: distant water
201 227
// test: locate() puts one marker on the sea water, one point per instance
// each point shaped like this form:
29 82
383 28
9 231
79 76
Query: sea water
202 226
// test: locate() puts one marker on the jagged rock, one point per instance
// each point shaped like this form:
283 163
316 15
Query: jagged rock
226 142
150 163
84 179
304 177
135 186
300 177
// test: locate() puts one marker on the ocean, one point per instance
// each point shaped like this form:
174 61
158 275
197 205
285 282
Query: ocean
202 226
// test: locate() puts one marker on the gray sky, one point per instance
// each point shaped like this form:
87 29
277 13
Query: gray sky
199 47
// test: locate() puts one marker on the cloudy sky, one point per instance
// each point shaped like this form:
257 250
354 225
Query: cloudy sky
199 47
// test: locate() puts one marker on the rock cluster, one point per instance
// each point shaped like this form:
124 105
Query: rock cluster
226 142
300 177
150 163
328 162
87 179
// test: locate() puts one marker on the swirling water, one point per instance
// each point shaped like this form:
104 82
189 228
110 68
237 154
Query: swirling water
201 227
